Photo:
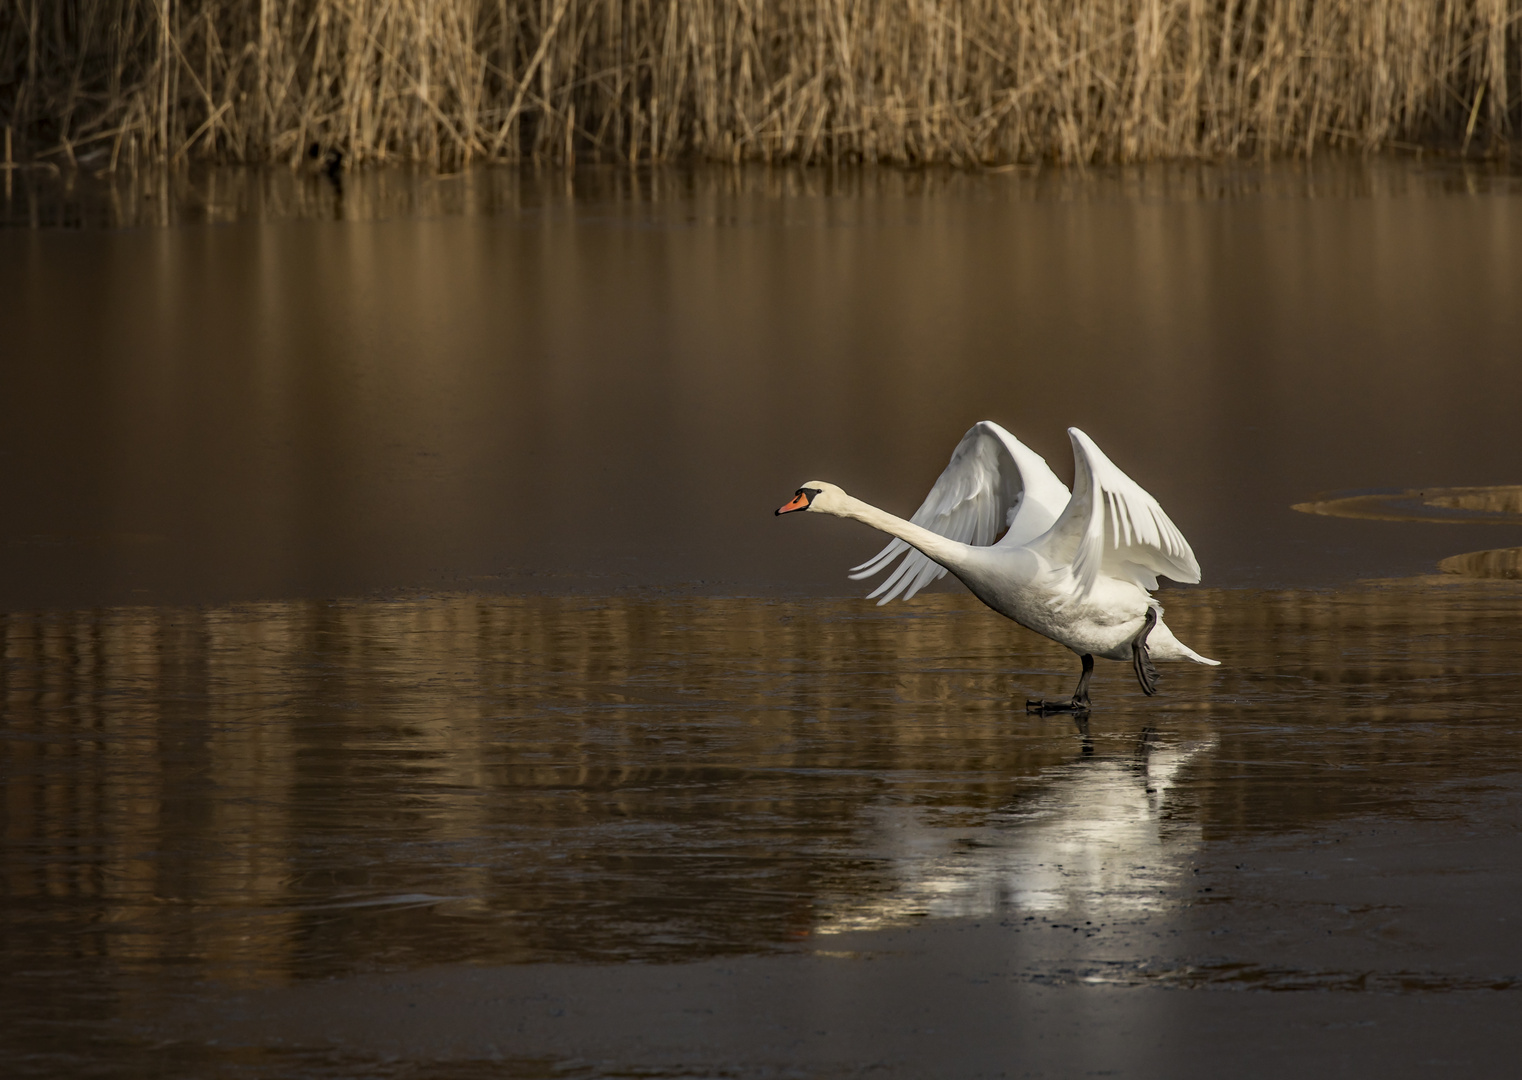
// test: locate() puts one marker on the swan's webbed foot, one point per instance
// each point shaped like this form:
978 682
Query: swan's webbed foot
1043 707
1078 706
1141 658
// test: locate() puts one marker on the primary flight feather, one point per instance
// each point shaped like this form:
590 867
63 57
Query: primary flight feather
1077 567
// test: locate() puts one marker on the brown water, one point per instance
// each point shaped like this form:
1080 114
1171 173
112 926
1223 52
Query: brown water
402 672
207 803
502 383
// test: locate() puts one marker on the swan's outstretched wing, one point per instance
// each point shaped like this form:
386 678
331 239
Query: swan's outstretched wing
994 484
1112 526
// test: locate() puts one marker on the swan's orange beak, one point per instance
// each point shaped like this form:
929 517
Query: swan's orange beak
799 501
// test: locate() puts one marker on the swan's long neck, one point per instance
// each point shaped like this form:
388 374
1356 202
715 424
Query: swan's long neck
948 553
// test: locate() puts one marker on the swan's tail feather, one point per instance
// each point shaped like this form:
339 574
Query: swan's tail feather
1167 647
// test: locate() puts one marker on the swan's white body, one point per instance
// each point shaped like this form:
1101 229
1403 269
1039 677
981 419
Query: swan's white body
1076 567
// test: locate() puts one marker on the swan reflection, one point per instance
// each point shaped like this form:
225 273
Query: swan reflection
1098 841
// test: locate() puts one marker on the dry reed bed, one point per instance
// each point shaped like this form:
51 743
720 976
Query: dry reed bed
905 81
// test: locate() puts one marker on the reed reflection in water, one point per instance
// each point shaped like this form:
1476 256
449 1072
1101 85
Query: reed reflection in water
258 405
195 195
294 790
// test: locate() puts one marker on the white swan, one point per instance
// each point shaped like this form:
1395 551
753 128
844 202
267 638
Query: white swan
1077 568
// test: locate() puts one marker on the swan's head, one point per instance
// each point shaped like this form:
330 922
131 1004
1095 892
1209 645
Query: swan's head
815 495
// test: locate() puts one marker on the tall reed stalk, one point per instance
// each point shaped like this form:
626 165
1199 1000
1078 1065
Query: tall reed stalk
906 81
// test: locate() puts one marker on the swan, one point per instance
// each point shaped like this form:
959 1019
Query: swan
1078 568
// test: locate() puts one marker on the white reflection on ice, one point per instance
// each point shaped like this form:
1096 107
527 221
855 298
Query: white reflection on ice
1098 842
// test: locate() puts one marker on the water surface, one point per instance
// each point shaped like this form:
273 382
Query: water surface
402 673
505 382
205 802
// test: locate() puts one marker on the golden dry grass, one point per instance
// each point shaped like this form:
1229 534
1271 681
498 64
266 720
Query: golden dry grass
904 81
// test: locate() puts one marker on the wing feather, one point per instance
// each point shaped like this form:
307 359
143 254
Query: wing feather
1107 504
878 561
994 483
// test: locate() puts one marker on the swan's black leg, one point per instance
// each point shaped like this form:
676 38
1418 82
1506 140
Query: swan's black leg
1081 694
1079 706
1141 660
